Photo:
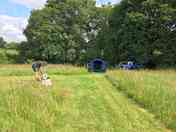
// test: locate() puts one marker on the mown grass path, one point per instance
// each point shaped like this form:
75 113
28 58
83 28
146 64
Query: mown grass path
75 103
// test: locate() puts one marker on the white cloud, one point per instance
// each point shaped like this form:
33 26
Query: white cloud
11 28
33 4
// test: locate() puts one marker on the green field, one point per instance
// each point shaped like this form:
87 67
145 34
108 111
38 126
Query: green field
78 101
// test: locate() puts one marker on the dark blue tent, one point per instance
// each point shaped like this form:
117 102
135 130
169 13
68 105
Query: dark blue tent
97 65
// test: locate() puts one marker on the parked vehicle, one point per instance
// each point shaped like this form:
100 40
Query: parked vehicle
130 65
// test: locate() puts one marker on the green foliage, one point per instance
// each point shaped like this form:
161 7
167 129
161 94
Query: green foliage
11 45
2 43
139 29
98 46
60 32
8 56
75 31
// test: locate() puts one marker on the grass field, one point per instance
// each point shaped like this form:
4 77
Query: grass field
80 101
152 90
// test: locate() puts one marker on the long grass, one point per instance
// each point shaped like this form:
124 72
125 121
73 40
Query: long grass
26 70
77 102
153 90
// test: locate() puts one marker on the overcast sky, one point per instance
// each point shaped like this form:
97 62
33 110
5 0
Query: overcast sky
15 13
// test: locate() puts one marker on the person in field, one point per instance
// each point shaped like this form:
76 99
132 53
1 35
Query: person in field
40 73
38 68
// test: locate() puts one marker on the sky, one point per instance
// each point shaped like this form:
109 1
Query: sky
14 16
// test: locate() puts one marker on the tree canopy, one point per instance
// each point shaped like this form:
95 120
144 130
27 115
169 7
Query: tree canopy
142 29
74 31
2 42
61 32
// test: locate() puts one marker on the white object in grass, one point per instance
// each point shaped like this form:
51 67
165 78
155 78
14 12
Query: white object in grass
44 76
47 82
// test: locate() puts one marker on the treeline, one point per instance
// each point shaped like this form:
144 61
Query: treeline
64 31
9 53
144 30
75 31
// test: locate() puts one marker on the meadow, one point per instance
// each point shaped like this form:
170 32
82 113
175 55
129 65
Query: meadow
78 101
155 91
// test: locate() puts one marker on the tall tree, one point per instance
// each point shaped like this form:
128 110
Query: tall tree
61 32
141 29
2 43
